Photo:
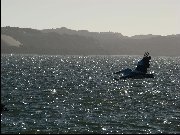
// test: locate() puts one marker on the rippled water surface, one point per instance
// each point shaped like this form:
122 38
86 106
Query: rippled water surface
78 94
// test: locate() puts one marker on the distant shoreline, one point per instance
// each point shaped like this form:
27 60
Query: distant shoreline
63 41
82 55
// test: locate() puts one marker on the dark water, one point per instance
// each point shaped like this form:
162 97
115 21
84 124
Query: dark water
77 94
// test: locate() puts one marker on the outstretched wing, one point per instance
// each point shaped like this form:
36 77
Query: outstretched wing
124 71
143 64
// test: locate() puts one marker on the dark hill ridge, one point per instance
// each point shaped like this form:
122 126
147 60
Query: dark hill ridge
86 33
63 41
38 42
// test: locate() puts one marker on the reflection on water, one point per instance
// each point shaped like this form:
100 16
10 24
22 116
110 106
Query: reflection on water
77 94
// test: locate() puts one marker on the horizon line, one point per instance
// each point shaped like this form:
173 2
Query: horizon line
92 31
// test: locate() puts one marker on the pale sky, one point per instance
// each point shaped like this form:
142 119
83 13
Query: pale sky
129 17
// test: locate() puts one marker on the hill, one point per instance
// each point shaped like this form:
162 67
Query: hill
63 41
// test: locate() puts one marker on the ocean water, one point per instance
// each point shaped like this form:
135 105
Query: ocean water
78 94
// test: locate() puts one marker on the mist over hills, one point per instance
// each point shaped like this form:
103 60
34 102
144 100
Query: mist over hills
63 41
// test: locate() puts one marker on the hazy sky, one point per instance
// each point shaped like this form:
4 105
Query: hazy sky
129 17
